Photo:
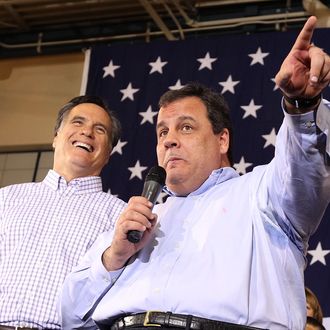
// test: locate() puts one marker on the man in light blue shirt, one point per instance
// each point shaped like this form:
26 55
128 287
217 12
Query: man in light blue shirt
224 251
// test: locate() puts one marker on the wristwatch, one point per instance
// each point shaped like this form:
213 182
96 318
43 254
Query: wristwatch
302 103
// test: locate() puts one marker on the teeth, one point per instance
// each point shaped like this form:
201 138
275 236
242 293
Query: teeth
83 145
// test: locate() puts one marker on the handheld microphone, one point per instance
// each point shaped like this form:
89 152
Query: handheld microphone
153 185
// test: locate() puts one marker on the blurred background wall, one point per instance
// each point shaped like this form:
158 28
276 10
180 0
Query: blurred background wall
32 90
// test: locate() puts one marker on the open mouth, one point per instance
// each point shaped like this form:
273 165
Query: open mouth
84 146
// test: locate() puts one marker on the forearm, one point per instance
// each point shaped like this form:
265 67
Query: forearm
112 264
82 290
84 286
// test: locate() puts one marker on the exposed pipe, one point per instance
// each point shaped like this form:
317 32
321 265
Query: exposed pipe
245 20
174 19
227 2
157 19
8 24
143 35
17 18
186 18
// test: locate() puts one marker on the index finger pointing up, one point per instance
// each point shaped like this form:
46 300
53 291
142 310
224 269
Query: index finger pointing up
304 38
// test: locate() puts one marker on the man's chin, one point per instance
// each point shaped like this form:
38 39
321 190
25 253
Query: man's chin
174 177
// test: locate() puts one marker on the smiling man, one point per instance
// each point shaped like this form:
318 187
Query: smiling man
46 227
82 142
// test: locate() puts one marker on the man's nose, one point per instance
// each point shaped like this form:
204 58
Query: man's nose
171 140
87 131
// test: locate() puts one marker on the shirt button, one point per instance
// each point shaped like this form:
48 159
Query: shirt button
178 246
309 124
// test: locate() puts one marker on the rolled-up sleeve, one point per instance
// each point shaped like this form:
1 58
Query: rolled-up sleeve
298 178
85 286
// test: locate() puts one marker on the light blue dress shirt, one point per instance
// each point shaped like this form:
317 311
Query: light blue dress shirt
233 250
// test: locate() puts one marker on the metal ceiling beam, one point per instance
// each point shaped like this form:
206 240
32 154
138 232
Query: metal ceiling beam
17 18
157 19
85 41
228 2
175 20
260 19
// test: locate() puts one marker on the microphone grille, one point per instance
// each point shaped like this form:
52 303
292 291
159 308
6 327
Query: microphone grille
158 174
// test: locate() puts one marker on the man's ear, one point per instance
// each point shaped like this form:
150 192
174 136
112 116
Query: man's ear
54 141
224 139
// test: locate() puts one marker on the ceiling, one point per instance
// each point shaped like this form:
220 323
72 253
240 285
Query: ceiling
36 27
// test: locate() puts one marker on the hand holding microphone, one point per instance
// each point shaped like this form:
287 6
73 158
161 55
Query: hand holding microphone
154 183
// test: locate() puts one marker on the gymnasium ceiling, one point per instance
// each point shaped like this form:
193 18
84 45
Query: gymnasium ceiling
34 27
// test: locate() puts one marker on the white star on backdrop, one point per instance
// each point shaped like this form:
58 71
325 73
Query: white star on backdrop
148 116
318 254
128 92
206 62
136 170
177 85
270 138
110 69
242 166
157 66
251 109
258 57
228 85
275 86
119 147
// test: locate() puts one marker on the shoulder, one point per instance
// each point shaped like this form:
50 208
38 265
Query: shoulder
17 191
112 200
14 188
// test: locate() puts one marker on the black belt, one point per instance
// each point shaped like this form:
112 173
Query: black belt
170 320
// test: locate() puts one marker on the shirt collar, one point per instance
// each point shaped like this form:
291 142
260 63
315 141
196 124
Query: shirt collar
84 185
216 177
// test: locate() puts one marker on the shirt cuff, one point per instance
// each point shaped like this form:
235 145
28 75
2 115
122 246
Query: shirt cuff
98 282
303 122
323 121
99 274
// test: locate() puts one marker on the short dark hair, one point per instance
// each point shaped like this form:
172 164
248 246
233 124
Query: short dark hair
65 110
216 106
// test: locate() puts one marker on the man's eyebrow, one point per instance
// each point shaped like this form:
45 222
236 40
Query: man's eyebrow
102 125
78 117
160 124
180 119
96 124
